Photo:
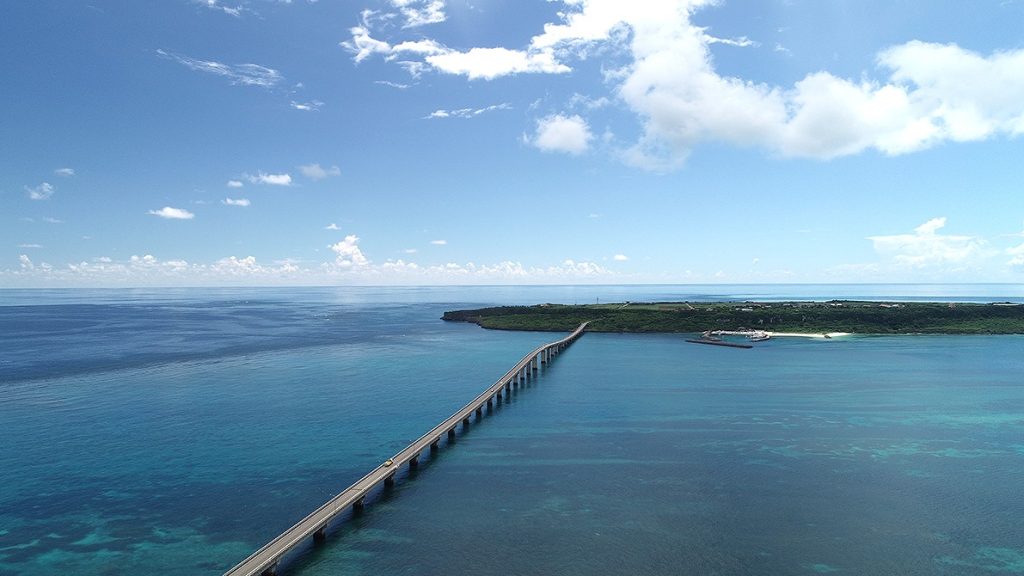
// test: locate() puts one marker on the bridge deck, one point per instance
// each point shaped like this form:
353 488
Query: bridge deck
264 560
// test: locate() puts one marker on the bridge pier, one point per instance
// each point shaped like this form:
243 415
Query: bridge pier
414 461
497 396
357 506
451 433
389 480
465 422
320 536
270 571
433 445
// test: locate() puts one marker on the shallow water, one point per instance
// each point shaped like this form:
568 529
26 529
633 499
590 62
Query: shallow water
176 432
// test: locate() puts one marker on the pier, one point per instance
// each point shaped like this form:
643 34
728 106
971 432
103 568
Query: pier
264 562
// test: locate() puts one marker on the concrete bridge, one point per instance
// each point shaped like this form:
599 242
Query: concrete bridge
264 562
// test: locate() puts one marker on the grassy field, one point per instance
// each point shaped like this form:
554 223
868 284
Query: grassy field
805 317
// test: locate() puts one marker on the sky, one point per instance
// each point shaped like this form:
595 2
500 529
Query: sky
422 142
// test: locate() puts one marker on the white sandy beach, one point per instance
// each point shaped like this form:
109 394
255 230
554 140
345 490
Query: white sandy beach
808 335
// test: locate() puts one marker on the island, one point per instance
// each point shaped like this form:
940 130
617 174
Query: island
789 318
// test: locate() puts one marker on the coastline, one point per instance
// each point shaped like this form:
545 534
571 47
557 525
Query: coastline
804 319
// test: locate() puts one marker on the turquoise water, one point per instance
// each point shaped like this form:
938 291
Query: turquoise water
177 431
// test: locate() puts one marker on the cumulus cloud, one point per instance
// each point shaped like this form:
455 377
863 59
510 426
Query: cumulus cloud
439 242
558 133
65 172
332 226
620 258
236 202
41 192
920 94
349 267
271 179
238 74
173 213
348 253
316 172
235 184
926 247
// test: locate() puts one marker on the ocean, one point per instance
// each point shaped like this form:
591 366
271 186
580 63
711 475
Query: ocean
175 431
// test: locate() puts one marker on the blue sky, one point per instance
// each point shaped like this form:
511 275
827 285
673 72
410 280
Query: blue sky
263 142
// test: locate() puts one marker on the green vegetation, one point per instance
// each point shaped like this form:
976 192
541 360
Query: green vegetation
806 317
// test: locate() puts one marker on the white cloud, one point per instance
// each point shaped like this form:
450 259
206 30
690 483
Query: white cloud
491 63
311 106
173 213
467 112
30 245
579 100
332 226
239 74
391 84
926 247
41 192
559 133
420 12
65 172
933 93
235 184
410 251
620 258
236 202
349 254
316 172
920 95
475 63
741 42
349 267
52 220
235 11
439 242
364 46
271 179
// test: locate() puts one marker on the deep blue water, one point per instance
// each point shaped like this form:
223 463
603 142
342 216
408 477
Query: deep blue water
175 431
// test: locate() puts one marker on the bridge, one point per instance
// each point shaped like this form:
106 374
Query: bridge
264 562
